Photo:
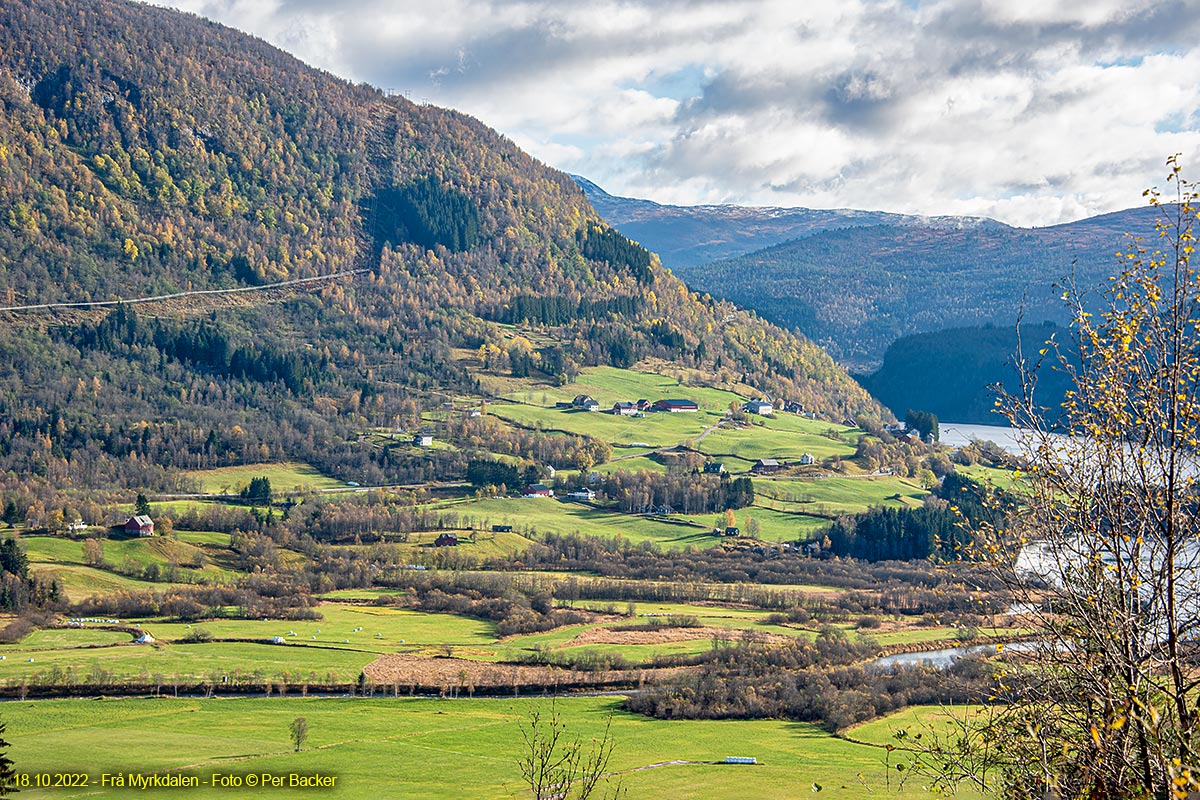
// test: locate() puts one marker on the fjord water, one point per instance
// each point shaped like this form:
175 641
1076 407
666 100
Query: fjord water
960 434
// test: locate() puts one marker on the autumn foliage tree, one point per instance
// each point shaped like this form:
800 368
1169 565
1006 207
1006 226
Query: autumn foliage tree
1104 554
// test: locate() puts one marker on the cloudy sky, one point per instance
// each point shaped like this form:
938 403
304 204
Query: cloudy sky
1030 111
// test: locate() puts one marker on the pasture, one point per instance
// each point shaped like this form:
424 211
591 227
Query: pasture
775 526
610 384
286 476
655 430
343 642
349 636
546 515
430 748
204 558
78 582
837 495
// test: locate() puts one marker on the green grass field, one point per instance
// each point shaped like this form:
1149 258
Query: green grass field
610 384
775 526
175 508
79 582
838 495
213 538
735 621
428 748
552 515
785 437
656 430
343 642
487 544
348 637
64 559
288 476
1004 479
638 463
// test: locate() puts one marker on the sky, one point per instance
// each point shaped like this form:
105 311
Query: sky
1033 112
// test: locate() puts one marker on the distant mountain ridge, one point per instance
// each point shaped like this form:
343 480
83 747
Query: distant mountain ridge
686 236
857 281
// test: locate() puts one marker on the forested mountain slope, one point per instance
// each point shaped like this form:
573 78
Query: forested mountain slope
857 280
144 151
952 372
856 290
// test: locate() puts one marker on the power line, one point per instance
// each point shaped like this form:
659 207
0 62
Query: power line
176 295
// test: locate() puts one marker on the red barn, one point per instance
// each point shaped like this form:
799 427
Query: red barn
141 525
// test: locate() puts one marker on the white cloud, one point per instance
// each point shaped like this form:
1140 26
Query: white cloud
1033 111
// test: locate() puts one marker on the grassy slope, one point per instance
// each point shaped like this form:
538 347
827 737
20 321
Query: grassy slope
553 515
656 430
288 476
63 560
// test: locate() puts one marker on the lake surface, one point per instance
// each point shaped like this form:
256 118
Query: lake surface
943 659
959 434
931 658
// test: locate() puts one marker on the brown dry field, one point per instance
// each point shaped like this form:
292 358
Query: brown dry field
602 635
426 671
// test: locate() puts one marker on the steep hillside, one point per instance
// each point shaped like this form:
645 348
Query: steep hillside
950 372
857 290
147 152
687 236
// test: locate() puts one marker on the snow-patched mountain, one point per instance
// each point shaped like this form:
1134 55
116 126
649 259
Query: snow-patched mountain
685 236
855 281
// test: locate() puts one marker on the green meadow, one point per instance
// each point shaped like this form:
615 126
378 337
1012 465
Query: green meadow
347 638
430 748
837 495
784 436
775 526
63 560
551 515
609 385
655 430
487 544
1005 479
79 582
287 476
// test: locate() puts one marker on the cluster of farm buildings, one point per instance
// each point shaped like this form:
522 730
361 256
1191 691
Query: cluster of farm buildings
631 408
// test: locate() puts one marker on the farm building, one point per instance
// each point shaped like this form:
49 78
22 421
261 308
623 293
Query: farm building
582 494
625 408
714 468
446 540
763 407
766 465
423 440
141 525
538 490
586 402
502 529
807 459
675 406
